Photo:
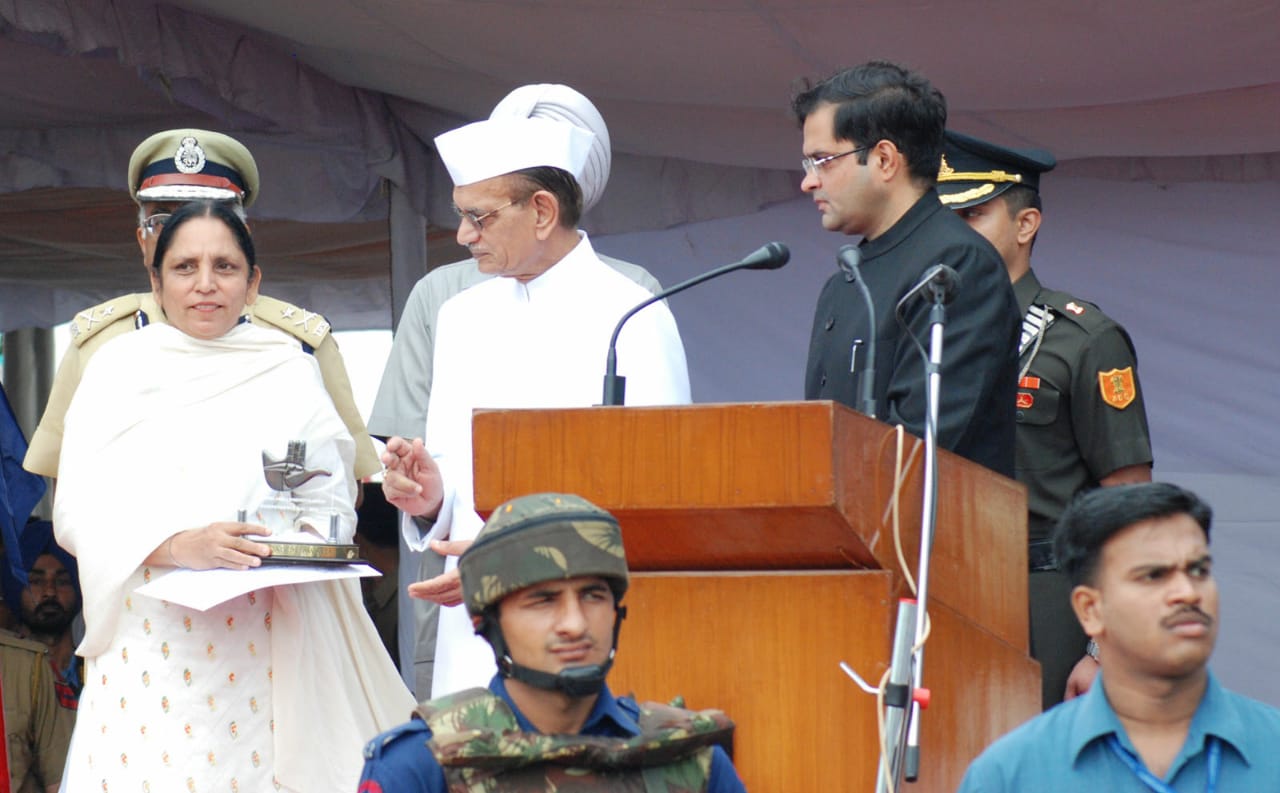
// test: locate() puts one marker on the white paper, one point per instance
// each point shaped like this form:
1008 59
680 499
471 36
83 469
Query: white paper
201 589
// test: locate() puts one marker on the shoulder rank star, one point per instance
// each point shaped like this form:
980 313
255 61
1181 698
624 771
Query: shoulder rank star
91 317
1074 308
304 322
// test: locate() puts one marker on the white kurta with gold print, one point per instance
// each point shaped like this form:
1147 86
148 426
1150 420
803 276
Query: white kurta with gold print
281 686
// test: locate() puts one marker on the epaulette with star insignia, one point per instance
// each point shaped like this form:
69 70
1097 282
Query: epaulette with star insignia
88 323
307 326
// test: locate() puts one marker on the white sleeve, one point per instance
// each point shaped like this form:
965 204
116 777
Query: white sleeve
651 357
447 434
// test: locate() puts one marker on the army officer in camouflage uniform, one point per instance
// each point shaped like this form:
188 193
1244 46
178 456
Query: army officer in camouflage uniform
542 583
1081 422
166 171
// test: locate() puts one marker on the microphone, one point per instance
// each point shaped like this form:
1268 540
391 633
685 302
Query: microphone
770 257
848 258
940 281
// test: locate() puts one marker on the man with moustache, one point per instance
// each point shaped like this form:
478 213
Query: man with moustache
47 604
872 146
1156 719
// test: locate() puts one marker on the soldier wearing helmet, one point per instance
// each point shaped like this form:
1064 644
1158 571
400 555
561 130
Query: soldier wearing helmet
543 583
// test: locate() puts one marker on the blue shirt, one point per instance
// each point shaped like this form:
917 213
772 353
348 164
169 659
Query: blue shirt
1065 750
398 761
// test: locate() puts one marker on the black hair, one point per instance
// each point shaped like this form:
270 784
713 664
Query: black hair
1020 197
1095 516
205 209
881 100
561 184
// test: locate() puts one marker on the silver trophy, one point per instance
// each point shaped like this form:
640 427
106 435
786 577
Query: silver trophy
282 510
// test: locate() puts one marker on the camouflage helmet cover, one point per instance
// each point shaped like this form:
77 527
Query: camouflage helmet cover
541 537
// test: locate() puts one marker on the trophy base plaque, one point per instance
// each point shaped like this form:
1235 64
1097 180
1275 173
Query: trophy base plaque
311 553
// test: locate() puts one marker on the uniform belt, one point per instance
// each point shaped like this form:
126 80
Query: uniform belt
1040 556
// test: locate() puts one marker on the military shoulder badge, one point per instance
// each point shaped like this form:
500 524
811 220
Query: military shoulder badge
1118 387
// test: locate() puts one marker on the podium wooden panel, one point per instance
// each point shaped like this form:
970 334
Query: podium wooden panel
764 537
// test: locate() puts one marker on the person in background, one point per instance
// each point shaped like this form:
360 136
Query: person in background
48 604
377 535
1081 418
37 729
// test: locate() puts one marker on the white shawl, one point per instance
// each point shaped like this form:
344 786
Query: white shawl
165 433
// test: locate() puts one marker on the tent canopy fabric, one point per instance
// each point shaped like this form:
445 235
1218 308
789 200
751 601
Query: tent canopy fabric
337 98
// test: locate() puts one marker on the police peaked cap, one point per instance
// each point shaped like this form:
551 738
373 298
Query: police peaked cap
192 164
974 171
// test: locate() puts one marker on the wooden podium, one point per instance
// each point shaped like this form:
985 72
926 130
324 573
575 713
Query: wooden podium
760 537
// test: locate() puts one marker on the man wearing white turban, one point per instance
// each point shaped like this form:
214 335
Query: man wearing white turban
407 383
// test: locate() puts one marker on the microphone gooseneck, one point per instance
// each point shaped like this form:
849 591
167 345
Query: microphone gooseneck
769 257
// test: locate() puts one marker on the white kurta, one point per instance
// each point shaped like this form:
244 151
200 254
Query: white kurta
166 432
541 344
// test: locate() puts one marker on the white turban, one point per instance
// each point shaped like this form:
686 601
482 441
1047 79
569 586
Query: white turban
562 103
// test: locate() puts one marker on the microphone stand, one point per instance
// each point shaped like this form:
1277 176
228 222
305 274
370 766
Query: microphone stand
904 696
928 519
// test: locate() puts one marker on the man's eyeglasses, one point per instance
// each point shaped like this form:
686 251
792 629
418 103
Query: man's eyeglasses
477 221
812 165
153 224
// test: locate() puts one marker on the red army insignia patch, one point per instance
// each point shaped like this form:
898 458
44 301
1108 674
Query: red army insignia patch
1025 400
1117 387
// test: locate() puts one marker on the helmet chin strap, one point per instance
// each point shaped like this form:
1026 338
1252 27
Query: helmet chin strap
574 681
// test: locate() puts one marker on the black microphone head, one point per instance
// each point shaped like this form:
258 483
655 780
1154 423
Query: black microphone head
943 281
848 258
770 257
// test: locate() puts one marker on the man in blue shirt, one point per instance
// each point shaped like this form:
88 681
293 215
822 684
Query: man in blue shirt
542 583
1156 719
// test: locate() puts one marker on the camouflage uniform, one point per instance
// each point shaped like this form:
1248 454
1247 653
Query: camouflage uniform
402 760
477 741
476 738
